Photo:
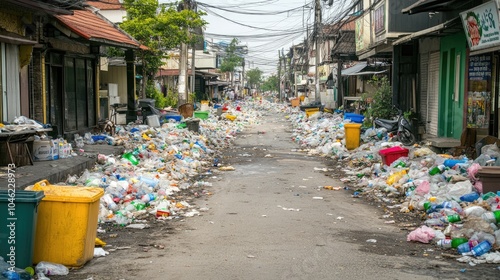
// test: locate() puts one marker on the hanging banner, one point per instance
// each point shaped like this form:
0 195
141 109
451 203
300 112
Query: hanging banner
479 92
481 26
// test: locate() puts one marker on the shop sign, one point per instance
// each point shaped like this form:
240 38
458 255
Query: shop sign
481 25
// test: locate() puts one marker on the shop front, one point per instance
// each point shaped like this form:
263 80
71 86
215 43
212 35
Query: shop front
481 26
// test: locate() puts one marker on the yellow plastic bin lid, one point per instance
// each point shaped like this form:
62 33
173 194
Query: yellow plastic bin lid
352 125
68 193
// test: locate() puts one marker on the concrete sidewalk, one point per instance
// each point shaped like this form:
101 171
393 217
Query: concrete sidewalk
58 170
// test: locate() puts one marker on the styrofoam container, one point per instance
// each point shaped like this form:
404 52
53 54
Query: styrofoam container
153 121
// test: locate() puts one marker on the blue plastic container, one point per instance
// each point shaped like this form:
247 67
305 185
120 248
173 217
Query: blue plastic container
481 248
96 138
470 197
452 162
355 118
177 118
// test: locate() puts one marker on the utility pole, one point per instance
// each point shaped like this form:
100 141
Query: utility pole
284 71
193 69
317 26
183 60
243 78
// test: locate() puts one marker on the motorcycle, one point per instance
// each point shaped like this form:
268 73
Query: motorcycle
400 127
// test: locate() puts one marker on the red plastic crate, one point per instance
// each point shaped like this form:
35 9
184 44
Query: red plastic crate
389 155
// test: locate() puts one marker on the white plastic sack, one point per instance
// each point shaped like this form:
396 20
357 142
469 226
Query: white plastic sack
455 191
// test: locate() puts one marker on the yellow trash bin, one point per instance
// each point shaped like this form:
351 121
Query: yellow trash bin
67 224
352 135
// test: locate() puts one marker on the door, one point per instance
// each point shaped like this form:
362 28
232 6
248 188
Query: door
11 95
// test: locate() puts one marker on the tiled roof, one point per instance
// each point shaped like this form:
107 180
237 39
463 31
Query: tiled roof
95 28
106 4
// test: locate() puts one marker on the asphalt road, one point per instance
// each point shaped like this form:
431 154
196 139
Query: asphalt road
271 218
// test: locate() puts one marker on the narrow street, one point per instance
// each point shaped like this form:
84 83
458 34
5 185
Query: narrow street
271 218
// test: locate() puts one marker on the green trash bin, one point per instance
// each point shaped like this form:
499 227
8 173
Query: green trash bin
18 224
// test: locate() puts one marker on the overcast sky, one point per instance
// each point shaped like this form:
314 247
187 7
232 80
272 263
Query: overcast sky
265 26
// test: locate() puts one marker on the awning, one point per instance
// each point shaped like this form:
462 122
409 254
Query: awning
12 38
380 49
94 28
362 68
218 83
440 29
431 6
354 69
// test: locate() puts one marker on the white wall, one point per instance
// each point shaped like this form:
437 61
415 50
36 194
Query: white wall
115 16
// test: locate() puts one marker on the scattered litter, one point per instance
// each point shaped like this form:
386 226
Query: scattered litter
340 218
371 240
317 197
226 168
332 188
99 252
321 169
138 226
250 256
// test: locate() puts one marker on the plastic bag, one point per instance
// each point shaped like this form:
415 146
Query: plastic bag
49 268
395 177
455 191
422 234
423 188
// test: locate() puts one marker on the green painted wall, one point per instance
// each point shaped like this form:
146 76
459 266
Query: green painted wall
451 104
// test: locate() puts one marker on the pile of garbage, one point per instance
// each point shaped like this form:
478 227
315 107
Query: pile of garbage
159 163
446 191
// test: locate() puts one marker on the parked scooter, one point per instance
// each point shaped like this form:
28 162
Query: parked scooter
399 126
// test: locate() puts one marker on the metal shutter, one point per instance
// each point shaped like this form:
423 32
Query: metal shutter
433 94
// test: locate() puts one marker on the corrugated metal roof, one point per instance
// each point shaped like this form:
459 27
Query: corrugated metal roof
354 69
95 28
106 4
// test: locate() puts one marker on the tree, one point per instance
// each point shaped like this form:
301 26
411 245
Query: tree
232 59
271 84
254 77
159 28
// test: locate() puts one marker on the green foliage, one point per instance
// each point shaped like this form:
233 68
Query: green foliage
192 97
381 107
160 29
172 99
232 59
254 77
271 84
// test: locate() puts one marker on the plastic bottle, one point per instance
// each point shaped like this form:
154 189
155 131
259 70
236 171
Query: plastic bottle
464 248
437 169
452 162
151 182
444 243
436 207
453 218
491 217
481 248
130 157
433 222
470 197
148 197
455 242
488 195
